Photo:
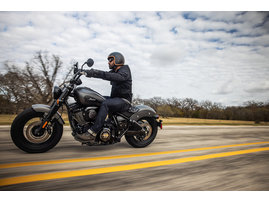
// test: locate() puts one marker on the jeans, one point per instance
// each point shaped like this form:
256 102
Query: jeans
110 105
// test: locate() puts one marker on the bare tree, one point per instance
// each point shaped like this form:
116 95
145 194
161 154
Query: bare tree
188 106
33 83
191 108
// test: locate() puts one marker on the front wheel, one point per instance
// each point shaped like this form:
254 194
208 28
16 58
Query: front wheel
24 136
149 125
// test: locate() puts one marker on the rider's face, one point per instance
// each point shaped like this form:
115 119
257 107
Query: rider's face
111 62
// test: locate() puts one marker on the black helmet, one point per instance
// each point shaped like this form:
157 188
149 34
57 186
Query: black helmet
118 57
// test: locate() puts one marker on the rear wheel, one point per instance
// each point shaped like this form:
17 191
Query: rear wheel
149 125
24 135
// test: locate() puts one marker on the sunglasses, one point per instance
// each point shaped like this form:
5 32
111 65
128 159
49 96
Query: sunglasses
110 59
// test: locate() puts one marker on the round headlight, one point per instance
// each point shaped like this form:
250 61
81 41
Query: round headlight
57 92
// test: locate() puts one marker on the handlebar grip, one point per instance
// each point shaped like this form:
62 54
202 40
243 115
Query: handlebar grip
83 73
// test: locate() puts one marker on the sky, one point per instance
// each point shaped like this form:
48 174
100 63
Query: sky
218 56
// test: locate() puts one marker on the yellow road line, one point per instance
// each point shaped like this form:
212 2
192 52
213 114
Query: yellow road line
77 173
12 165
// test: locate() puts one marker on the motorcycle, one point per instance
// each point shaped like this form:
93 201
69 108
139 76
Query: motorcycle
39 128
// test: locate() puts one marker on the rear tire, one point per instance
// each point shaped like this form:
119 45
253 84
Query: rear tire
138 142
24 138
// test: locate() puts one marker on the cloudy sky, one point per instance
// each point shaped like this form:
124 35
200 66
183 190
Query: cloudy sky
218 56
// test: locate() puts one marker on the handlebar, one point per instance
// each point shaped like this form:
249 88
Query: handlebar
80 72
76 76
66 90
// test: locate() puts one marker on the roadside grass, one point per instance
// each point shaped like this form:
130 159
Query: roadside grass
195 121
6 119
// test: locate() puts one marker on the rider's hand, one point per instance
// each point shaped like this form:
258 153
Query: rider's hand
94 73
89 73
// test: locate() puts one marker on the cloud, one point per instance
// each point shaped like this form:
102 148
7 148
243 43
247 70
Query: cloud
216 56
256 88
225 88
167 55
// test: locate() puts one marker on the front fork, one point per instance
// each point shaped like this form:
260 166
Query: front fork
53 109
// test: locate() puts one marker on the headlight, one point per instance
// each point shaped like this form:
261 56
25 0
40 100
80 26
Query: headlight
57 92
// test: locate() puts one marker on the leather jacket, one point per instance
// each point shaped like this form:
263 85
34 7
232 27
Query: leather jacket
121 81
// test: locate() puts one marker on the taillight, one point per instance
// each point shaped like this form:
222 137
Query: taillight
160 124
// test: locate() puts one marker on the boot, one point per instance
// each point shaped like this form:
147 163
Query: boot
88 136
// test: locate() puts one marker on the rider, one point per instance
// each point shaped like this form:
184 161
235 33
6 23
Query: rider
121 92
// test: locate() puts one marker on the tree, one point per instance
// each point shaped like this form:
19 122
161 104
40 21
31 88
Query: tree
33 83
5 105
188 106
165 111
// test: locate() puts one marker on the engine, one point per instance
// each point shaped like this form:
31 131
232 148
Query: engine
83 116
90 113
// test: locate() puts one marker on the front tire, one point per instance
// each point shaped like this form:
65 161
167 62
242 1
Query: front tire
138 141
24 138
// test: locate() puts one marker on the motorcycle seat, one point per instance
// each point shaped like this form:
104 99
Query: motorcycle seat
127 101
130 111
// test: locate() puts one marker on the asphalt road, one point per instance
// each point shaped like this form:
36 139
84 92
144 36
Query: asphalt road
191 158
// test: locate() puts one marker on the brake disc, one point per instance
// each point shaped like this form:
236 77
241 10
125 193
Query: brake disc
33 138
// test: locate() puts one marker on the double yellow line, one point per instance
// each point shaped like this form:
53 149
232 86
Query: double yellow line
36 163
77 173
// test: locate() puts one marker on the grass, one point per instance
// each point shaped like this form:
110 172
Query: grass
193 121
6 119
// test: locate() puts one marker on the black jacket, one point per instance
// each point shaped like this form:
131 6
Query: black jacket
121 81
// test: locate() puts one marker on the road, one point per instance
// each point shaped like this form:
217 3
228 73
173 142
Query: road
181 158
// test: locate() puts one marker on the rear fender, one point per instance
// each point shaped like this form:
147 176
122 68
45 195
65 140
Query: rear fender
143 111
46 109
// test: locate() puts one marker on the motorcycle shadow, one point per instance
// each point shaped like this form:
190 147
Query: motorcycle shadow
77 147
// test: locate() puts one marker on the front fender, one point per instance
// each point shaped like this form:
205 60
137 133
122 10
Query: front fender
143 111
46 109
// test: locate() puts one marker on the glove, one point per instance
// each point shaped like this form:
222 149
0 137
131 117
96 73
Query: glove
95 73
89 73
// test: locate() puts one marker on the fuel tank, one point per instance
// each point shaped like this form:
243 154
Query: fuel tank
88 97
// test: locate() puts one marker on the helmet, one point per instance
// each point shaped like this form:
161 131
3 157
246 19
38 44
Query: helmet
118 57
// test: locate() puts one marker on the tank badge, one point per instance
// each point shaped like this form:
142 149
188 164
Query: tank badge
91 99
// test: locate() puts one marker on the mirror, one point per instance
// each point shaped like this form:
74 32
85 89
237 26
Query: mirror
90 62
